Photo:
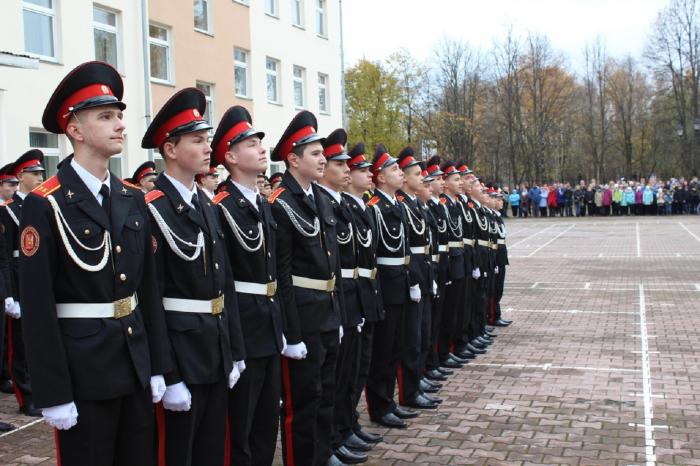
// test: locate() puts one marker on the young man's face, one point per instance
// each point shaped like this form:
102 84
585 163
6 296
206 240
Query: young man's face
361 179
30 180
468 184
191 154
413 178
336 175
311 164
7 190
210 182
249 155
452 183
391 177
437 187
424 192
147 183
260 183
101 129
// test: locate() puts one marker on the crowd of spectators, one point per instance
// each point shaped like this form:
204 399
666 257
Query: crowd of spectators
616 198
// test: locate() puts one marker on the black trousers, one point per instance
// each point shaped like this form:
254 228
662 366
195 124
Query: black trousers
365 359
116 432
253 413
454 302
345 378
17 362
410 369
433 358
499 284
308 390
386 354
197 436
475 299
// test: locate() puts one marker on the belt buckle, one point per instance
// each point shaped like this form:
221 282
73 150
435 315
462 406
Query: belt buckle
373 274
355 272
330 285
217 305
271 289
122 307
426 249
406 260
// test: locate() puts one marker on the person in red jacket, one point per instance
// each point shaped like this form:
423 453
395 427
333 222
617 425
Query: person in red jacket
552 202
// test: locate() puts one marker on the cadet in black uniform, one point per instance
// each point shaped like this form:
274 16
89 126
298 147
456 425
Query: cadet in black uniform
501 262
367 284
196 286
250 232
417 311
308 269
8 187
145 176
92 345
29 172
393 257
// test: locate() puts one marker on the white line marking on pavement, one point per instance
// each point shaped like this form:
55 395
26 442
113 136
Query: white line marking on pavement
640 394
639 242
587 286
649 443
689 232
549 366
534 285
632 424
528 237
697 286
551 240
570 311
36 421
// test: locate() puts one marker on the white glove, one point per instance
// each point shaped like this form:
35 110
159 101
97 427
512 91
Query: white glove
341 332
496 269
157 388
234 375
284 344
62 417
177 397
435 288
297 351
12 308
476 273
241 366
360 325
414 293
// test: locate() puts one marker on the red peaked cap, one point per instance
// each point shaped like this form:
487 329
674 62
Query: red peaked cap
303 129
235 125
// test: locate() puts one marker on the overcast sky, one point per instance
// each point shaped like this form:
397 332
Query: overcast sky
375 28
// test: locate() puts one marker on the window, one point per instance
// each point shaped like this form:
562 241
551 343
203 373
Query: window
115 164
323 93
240 62
39 31
271 8
208 90
48 143
202 15
321 17
298 76
104 26
298 13
159 45
272 66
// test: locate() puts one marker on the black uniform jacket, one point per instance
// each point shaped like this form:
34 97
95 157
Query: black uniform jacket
8 215
440 238
455 229
315 257
88 358
261 316
203 345
418 234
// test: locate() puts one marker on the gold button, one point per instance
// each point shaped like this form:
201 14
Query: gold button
329 253
129 331
270 277
122 277
272 300
137 223
87 232
118 248
216 265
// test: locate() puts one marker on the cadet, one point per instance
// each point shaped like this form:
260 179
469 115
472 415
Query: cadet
28 170
308 269
144 176
250 230
208 181
196 286
8 183
85 253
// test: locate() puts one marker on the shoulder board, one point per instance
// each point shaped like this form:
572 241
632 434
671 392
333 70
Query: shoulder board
443 200
471 205
220 197
400 198
275 194
47 187
373 201
153 195
130 184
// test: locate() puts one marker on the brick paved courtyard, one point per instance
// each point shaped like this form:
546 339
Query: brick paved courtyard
602 365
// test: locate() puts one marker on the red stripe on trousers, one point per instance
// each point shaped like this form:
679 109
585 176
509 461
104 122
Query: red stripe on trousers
10 356
160 425
289 411
399 380
227 445
58 447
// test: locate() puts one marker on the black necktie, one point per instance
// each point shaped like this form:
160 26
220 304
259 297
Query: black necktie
258 202
195 203
106 202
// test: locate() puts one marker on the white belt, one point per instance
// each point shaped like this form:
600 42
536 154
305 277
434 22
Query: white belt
116 310
484 243
197 306
420 249
435 257
367 273
314 284
262 289
501 241
394 260
348 273
442 248
470 242
455 244
15 253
